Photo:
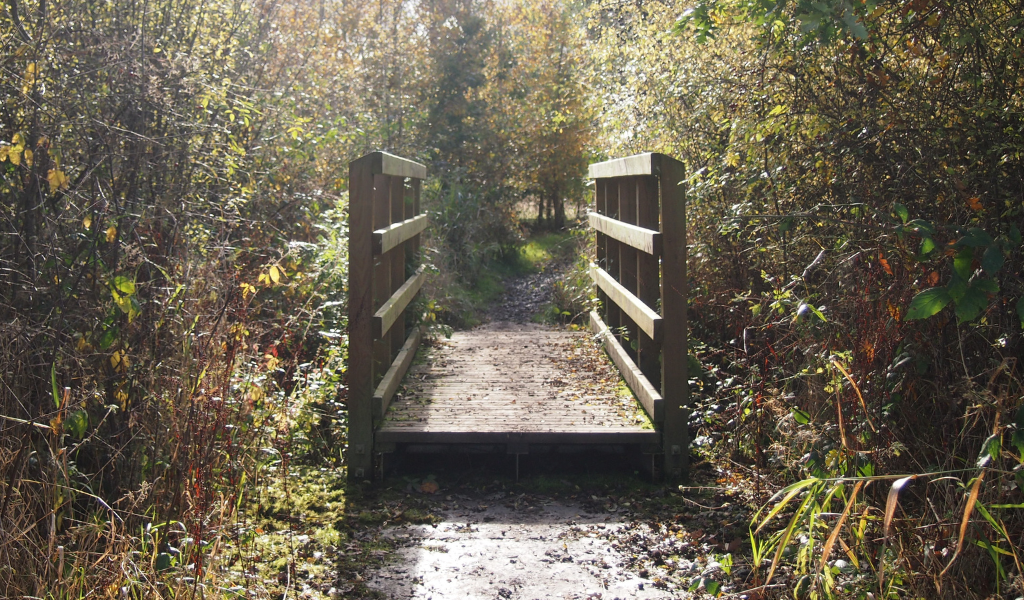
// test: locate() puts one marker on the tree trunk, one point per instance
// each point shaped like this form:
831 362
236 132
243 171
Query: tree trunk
559 206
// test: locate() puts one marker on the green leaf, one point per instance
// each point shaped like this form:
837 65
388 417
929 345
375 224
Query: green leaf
1017 439
163 561
77 423
992 260
928 303
124 285
802 417
108 337
972 303
1020 311
957 287
975 238
921 227
962 262
989 450
53 385
927 246
990 286
901 211
1014 235
711 587
693 367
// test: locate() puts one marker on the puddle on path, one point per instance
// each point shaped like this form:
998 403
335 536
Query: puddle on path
554 550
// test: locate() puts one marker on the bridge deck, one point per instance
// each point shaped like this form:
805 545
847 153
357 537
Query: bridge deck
516 385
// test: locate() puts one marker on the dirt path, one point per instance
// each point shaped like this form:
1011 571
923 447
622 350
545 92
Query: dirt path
564 526
554 549
487 536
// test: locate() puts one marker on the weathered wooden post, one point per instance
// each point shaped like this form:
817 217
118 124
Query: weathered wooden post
384 226
640 225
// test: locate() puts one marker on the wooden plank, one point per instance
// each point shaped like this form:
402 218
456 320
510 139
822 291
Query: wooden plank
612 312
382 285
648 320
383 163
641 238
639 164
394 235
673 305
601 239
392 309
648 281
392 379
627 261
397 436
359 375
649 397
398 266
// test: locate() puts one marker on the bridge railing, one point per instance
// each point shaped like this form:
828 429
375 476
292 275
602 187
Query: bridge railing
385 274
640 274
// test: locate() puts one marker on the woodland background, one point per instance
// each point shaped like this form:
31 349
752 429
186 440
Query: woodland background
172 259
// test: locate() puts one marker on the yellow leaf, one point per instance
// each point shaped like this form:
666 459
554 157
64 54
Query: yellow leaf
3 152
29 156
275 274
119 361
58 181
111 233
87 221
14 154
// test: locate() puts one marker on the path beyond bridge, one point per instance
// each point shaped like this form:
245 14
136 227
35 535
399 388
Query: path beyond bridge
521 386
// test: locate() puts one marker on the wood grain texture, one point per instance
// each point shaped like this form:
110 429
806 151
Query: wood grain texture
393 378
673 306
648 278
640 238
649 397
648 320
359 376
639 164
490 385
383 163
388 314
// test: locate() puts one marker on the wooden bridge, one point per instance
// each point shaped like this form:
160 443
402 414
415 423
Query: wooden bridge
505 386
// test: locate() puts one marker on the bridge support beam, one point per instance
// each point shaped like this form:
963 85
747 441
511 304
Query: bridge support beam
674 292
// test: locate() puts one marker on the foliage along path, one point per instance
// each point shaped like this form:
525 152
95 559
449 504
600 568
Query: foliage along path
463 527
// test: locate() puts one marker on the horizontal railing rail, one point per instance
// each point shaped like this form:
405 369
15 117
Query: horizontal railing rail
639 270
385 223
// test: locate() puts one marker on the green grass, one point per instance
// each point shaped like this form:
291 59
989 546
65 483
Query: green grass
543 248
467 300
